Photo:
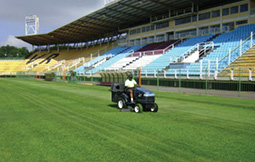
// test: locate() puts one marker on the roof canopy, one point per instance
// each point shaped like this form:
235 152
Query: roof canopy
109 21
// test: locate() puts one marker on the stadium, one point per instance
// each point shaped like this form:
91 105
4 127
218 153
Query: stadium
197 56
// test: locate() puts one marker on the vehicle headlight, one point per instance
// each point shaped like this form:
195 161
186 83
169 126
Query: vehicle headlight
145 95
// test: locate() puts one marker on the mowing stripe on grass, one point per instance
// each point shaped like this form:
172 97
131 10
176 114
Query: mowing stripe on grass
49 121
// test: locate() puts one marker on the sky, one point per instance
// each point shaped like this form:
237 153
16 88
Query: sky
52 15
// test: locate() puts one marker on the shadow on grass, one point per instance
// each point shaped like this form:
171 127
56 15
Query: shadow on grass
113 106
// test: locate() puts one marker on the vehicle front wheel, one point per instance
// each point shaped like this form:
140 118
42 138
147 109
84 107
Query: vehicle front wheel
121 103
137 109
154 108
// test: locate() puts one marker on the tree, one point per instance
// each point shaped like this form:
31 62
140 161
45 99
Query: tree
11 51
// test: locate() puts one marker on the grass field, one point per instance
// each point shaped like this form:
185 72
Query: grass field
50 121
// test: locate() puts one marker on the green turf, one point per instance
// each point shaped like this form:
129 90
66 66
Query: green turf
49 121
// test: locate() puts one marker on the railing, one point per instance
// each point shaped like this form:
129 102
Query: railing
156 52
116 69
100 62
89 64
185 35
29 67
246 74
61 62
233 54
204 46
76 62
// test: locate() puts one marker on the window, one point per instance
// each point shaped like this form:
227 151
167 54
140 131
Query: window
160 38
244 8
205 16
225 11
132 42
162 25
182 20
216 14
132 32
228 26
194 18
144 41
234 9
203 30
215 28
148 28
138 30
151 39
137 42
186 33
152 27
241 22
143 29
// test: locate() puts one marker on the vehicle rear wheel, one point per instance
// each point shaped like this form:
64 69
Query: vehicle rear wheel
121 103
154 108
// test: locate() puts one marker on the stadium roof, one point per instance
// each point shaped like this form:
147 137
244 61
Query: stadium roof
108 21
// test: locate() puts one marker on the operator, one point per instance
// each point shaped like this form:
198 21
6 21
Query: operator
130 84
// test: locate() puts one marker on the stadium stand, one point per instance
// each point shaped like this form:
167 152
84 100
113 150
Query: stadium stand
193 39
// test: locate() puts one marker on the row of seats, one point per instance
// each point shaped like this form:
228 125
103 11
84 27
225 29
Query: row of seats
121 63
100 59
115 57
11 66
241 66
141 62
156 46
133 61
44 60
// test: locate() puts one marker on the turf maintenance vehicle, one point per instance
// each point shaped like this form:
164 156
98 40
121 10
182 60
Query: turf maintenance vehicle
144 99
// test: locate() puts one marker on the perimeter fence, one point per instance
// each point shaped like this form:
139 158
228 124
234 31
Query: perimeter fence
235 85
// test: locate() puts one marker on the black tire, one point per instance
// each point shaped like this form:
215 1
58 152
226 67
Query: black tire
154 108
121 103
137 109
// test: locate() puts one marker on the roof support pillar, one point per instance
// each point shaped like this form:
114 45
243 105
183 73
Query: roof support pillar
48 47
192 8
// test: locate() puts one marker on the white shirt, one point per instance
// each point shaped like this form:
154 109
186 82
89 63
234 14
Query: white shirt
130 83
